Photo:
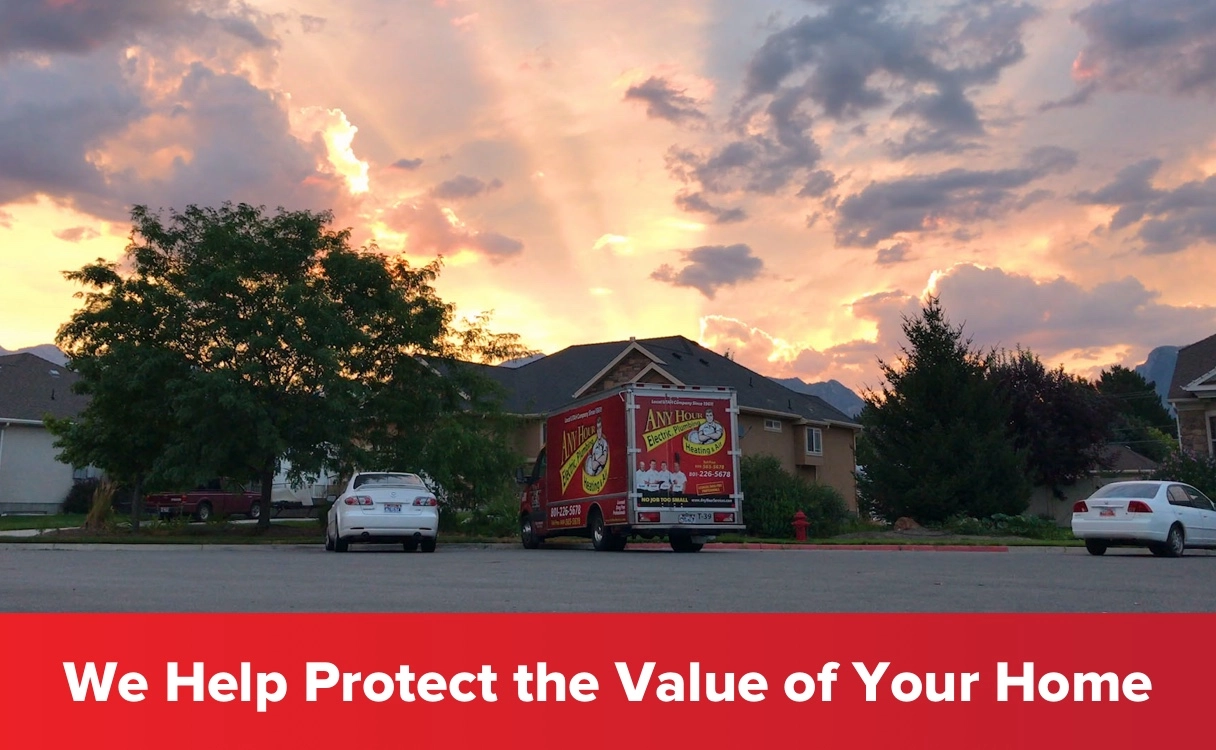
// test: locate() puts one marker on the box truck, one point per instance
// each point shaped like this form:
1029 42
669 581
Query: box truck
640 460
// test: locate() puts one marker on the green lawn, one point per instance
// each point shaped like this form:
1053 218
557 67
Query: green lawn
13 523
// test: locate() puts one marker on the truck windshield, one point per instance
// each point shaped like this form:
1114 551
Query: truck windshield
389 480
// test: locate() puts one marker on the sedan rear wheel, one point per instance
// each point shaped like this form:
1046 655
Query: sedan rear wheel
1095 546
329 542
429 543
1175 543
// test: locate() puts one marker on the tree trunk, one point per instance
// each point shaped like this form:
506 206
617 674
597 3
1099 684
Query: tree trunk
137 503
267 485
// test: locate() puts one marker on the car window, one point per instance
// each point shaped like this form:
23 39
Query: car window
389 480
1197 498
1129 489
1177 496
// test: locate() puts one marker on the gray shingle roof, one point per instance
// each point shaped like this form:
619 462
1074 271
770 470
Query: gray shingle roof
1193 362
550 383
31 387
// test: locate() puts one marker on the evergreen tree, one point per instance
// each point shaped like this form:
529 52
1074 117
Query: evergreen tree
936 441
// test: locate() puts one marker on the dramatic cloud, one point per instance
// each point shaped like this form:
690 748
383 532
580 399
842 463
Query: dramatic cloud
818 184
312 24
1077 98
855 57
78 234
110 125
893 255
696 203
763 162
664 101
463 186
435 230
712 267
80 26
1162 45
1169 220
924 203
1057 319
6 220
407 164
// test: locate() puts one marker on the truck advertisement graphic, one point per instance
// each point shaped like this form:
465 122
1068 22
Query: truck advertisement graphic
641 460
685 458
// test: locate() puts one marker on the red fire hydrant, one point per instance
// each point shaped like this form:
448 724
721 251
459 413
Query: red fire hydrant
800 524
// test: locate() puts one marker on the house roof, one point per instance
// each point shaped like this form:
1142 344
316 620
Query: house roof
1123 459
549 383
1194 362
32 387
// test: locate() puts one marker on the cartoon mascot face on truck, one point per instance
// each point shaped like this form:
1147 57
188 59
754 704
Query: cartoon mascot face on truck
710 431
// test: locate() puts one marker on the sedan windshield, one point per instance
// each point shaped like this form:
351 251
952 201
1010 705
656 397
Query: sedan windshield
1132 489
389 480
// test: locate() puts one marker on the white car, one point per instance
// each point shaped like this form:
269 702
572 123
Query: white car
384 508
1166 517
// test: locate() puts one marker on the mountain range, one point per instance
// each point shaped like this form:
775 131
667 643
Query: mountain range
49 352
834 392
1159 370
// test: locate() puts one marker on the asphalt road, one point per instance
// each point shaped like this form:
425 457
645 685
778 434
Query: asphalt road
509 579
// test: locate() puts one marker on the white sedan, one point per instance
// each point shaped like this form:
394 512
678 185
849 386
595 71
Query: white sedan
1166 517
384 508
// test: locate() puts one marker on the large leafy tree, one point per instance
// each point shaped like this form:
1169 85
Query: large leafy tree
277 341
1058 420
936 440
1141 422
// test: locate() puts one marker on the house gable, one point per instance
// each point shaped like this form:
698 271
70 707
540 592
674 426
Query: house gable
1194 372
629 366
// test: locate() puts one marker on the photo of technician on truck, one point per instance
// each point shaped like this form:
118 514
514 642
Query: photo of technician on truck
641 460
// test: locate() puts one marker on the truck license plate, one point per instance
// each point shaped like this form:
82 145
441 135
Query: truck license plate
695 518
392 508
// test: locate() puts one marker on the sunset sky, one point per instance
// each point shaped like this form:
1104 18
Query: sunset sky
781 179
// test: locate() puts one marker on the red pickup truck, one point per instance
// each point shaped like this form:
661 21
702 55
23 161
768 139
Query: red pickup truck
205 501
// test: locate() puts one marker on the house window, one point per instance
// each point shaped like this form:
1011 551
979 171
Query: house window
814 441
772 425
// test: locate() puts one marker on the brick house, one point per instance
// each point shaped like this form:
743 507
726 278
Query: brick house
810 437
1193 396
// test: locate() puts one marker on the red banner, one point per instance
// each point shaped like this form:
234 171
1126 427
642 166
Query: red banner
594 680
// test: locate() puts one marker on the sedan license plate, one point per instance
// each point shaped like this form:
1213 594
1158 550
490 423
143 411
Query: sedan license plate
392 507
695 518
1106 512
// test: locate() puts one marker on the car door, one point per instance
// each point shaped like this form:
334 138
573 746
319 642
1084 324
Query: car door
1191 517
1207 513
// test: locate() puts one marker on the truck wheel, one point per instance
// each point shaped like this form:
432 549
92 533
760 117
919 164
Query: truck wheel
600 538
255 510
204 511
684 543
429 544
618 542
526 534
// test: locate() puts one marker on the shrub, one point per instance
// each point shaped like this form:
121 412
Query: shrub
102 506
1194 469
999 524
80 497
772 495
